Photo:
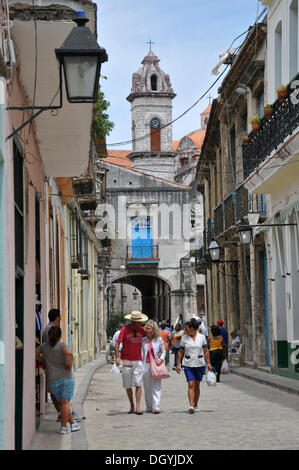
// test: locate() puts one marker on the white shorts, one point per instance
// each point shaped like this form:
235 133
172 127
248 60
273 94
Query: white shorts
132 374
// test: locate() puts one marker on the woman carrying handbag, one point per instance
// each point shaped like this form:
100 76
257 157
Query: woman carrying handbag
153 356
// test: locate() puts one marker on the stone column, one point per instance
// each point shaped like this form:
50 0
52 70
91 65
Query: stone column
156 302
242 292
166 309
176 304
253 303
229 293
160 301
209 297
222 300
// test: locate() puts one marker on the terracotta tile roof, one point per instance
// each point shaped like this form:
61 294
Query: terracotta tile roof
207 110
197 137
119 157
175 144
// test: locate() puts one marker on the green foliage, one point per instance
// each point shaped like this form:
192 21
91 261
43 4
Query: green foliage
114 323
101 125
255 119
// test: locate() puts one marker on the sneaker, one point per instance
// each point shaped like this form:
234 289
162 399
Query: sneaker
196 409
65 430
75 427
76 417
191 410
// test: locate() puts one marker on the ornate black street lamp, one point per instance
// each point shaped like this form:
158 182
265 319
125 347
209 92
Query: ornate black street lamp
214 251
81 58
245 233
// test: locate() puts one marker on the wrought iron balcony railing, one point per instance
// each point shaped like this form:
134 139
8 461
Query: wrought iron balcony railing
143 252
245 203
219 219
229 211
272 133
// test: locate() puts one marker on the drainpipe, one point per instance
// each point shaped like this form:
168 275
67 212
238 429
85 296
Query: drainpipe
2 268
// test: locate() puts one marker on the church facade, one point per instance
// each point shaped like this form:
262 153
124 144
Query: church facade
148 213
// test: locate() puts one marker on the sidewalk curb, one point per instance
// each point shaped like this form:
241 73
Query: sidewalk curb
79 440
267 381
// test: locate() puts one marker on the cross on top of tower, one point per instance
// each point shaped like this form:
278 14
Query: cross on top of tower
210 98
150 42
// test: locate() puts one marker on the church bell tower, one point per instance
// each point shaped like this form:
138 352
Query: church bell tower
151 109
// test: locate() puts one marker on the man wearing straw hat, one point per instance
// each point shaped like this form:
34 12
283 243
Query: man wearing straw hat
132 372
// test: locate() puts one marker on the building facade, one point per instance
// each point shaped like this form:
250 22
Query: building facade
150 213
237 286
274 170
35 218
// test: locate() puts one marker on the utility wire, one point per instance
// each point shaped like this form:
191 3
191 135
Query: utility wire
116 144
174 120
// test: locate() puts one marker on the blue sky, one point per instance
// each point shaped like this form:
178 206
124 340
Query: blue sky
188 37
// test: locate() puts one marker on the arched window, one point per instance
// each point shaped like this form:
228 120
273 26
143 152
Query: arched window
154 82
278 55
293 39
155 135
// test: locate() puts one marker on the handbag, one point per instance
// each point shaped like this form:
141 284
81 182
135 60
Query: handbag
157 372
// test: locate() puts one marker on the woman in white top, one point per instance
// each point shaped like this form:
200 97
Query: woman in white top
152 344
196 355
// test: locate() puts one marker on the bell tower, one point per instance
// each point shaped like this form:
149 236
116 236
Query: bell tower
151 109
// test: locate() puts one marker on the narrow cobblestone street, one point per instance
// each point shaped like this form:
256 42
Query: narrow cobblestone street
236 414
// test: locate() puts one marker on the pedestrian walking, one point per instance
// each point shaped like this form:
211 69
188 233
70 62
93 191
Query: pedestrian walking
166 337
196 355
152 344
216 345
59 362
177 336
224 334
132 371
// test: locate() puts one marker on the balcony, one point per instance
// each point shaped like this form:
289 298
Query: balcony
249 204
229 211
143 254
273 132
84 185
200 261
219 219
88 203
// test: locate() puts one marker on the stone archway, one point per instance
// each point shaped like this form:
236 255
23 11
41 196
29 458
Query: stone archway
155 294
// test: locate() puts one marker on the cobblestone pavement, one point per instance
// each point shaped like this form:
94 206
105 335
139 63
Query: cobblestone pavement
236 414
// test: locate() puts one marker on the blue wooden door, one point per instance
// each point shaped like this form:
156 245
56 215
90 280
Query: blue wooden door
141 234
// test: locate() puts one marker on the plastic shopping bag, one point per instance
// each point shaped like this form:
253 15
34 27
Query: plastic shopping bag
211 378
115 369
225 367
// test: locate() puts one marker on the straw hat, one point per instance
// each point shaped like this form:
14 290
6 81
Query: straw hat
136 316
